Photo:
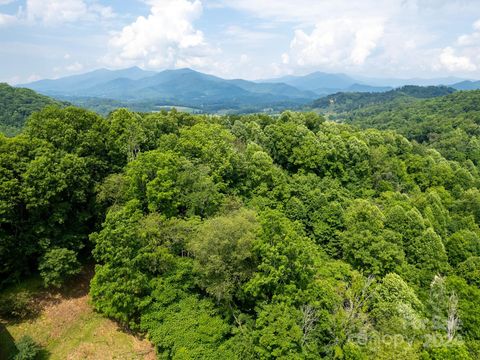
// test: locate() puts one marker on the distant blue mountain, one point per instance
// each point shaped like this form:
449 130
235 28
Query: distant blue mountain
367 88
182 86
324 83
186 87
393 82
78 84
467 85
318 82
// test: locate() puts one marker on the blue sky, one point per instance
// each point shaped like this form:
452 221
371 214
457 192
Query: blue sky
251 39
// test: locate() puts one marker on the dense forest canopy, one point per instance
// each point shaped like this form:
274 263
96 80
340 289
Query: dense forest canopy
345 102
254 237
17 104
449 124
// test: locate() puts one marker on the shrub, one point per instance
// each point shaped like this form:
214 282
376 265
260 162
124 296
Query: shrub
27 349
57 265
16 306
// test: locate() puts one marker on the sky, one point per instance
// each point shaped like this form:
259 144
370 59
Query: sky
251 39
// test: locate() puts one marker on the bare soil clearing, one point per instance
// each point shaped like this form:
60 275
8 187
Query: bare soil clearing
67 328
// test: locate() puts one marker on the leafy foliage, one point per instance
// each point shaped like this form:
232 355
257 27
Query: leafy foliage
16 105
16 306
448 124
27 349
344 102
57 265
251 237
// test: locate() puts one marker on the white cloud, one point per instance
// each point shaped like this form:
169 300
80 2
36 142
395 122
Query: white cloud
105 12
311 12
75 67
370 37
366 40
5 2
33 77
14 80
248 37
328 35
56 12
472 38
463 56
244 59
6 19
165 38
336 42
453 62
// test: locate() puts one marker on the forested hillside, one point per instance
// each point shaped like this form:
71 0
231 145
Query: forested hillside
342 102
17 104
449 124
254 237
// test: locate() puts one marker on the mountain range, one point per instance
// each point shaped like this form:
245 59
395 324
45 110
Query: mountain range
178 87
324 83
189 88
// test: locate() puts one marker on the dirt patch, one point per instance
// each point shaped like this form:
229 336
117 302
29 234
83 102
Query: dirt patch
68 328
63 313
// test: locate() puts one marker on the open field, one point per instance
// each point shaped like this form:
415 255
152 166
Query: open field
67 327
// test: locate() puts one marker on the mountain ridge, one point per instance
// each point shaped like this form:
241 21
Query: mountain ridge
187 87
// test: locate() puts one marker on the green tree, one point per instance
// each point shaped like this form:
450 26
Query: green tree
188 329
428 254
119 288
397 309
367 245
277 333
58 265
126 134
222 248
462 245
470 270
169 183
287 258
211 145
